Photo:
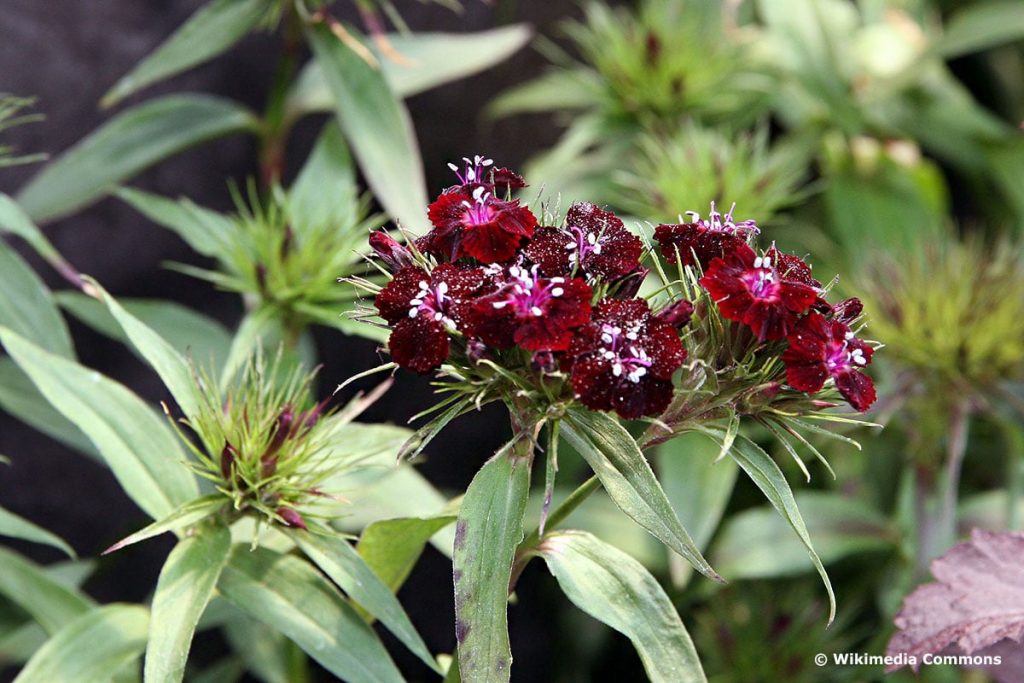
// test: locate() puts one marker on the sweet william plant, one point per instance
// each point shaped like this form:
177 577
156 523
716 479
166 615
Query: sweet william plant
558 319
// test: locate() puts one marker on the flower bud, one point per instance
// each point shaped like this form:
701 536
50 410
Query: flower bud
476 350
227 460
628 286
393 254
544 362
677 314
282 430
847 311
292 518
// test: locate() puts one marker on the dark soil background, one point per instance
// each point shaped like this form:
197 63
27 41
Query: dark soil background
67 53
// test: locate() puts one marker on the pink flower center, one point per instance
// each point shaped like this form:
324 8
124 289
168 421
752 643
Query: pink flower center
475 169
528 293
479 211
716 222
582 246
841 357
626 358
432 301
762 281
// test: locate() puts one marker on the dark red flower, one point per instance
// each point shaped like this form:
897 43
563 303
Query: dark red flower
592 240
706 239
423 308
481 171
750 289
623 359
476 224
538 314
821 348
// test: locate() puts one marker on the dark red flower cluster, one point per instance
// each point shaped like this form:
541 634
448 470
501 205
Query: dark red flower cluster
777 297
502 283
488 280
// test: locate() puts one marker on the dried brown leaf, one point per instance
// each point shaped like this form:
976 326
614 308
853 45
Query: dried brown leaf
975 606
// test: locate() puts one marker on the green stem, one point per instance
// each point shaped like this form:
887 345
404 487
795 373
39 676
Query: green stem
525 551
275 123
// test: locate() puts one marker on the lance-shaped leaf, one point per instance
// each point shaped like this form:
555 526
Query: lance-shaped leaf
627 477
213 29
192 334
765 473
91 647
45 599
263 649
975 603
377 126
391 547
431 59
489 528
14 220
20 398
176 374
15 526
759 543
698 488
288 594
346 567
208 232
186 515
325 193
183 590
28 308
129 143
136 443
612 587
981 26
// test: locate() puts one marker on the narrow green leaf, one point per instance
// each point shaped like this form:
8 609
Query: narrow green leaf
20 398
612 587
391 547
139 447
326 192
14 526
14 220
552 91
765 473
627 477
183 590
226 670
489 528
176 374
184 516
433 59
208 232
130 142
377 126
192 334
699 488
91 647
263 649
980 26
262 329
48 600
213 29
288 594
346 567
758 543
28 308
